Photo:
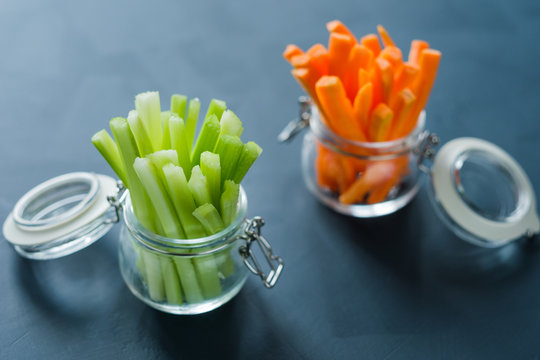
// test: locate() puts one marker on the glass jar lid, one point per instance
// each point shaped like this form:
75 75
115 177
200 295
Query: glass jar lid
62 215
482 193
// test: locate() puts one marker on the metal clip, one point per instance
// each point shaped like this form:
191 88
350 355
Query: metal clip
426 150
253 235
117 200
295 126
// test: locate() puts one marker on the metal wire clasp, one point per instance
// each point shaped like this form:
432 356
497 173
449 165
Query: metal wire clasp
253 235
117 200
295 126
426 150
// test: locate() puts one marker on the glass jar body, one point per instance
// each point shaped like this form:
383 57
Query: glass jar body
361 179
181 276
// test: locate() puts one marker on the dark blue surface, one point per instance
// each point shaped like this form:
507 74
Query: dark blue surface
398 287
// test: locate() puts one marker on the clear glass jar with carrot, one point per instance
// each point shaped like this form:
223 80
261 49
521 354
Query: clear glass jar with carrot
366 118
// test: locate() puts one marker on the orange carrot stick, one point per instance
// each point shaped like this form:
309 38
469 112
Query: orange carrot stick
380 192
290 51
307 79
336 26
386 39
300 61
327 169
429 63
416 49
372 43
383 70
405 77
363 78
394 57
362 106
339 47
359 58
337 108
319 58
375 174
381 121
401 107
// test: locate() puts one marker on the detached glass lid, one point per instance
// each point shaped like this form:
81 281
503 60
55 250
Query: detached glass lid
482 193
62 215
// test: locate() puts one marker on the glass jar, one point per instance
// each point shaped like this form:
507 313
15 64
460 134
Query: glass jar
361 179
70 212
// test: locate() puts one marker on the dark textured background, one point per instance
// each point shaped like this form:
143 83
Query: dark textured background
398 287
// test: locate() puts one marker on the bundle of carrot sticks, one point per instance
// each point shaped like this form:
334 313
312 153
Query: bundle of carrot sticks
364 92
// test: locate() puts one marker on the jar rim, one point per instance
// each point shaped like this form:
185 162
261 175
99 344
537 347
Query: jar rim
324 134
149 238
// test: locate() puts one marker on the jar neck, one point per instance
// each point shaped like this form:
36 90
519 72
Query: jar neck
381 150
196 246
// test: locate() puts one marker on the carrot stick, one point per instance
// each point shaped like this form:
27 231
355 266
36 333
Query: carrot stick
336 26
360 57
326 169
375 174
300 61
339 47
363 78
383 71
362 106
429 63
402 106
416 49
337 108
405 77
386 39
394 57
380 192
307 79
372 43
381 120
319 58
290 51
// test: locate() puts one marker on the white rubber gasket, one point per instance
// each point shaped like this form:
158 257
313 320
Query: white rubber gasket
525 221
22 235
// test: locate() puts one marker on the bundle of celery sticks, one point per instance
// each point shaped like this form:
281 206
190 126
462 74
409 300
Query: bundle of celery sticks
181 187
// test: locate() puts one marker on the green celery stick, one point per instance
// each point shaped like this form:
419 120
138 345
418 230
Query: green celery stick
154 278
178 105
231 124
229 201
182 199
191 120
208 275
229 149
207 138
143 208
180 144
139 133
149 109
172 281
108 149
188 278
198 185
250 153
162 157
211 169
209 217
216 107
166 143
149 178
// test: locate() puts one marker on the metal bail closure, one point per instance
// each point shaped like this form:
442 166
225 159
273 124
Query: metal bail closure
297 125
482 193
63 215
253 236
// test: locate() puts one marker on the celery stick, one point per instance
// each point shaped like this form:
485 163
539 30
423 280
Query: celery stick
225 262
188 278
211 169
166 142
229 149
149 178
231 124
139 133
149 109
229 201
208 275
172 282
178 105
216 107
191 120
162 157
108 149
182 199
198 185
156 287
209 217
207 138
180 144
250 153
